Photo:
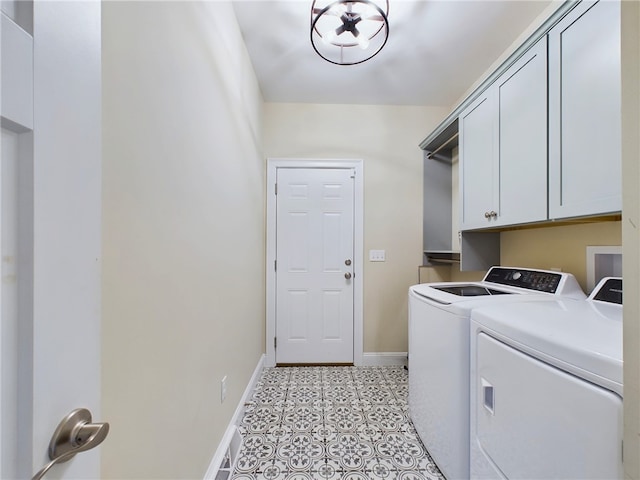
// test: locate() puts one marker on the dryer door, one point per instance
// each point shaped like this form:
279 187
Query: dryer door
536 421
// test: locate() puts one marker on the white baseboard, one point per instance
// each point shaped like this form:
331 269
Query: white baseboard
380 359
230 440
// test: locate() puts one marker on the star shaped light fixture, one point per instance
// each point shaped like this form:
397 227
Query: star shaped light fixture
348 32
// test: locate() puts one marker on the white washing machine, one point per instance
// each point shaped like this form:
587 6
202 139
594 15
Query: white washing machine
439 316
546 388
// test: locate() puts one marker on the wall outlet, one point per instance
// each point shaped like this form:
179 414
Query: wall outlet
223 389
376 256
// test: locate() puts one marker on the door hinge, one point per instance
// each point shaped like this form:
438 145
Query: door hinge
275 265
276 188
275 342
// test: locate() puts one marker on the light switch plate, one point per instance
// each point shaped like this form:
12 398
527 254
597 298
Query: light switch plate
376 255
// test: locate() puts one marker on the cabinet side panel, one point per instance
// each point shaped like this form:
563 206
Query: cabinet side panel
437 204
479 250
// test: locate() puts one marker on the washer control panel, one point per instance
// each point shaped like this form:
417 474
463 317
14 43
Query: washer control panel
539 280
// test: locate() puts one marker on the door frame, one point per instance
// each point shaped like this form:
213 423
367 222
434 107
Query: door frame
358 247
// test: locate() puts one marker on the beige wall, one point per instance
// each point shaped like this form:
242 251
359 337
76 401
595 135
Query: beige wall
562 247
552 247
386 138
630 225
183 280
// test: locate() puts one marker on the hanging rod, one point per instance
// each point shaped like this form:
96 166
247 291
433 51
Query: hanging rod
430 155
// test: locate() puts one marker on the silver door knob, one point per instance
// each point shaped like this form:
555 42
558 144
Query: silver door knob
347 275
75 433
347 262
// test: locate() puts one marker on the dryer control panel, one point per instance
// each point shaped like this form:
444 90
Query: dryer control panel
538 280
609 290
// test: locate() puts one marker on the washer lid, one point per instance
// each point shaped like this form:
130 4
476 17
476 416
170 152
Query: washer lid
582 337
456 295
470 290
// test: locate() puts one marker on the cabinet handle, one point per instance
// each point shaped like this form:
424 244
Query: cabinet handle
493 214
487 215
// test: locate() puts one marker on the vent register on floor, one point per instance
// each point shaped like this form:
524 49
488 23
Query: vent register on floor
337 423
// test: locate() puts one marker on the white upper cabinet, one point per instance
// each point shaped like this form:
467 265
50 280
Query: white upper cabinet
584 112
477 161
522 113
503 147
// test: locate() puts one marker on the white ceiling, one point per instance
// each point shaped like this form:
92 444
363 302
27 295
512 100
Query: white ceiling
436 50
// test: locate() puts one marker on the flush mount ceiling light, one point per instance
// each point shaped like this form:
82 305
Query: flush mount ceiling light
348 32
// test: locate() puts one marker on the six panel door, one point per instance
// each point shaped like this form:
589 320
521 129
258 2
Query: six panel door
314 266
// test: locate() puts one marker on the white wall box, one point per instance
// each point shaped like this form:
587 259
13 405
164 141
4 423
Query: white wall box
603 261
584 112
503 147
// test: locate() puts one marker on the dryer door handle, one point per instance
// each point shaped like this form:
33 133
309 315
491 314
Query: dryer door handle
488 396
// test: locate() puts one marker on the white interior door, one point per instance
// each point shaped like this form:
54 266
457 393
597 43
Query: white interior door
315 265
51 229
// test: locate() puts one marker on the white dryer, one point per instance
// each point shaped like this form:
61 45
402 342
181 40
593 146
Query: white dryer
439 318
546 388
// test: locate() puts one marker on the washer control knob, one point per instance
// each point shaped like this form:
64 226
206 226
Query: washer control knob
516 275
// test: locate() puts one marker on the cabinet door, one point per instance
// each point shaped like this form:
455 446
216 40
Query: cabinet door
522 146
584 112
477 162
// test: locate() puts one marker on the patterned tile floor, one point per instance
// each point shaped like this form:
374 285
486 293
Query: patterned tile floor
331 423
